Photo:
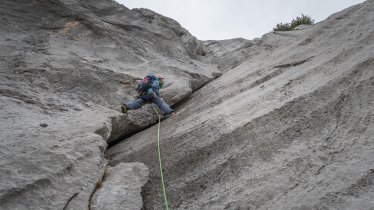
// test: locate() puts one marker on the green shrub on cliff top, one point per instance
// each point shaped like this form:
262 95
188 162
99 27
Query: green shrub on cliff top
303 20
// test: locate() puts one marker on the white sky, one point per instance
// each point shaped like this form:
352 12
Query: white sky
225 19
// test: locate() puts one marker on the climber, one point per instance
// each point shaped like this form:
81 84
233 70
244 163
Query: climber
149 92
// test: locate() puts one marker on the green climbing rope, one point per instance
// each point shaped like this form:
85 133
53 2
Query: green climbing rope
159 158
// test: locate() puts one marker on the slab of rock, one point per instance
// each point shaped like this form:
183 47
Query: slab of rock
121 188
230 53
69 64
290 127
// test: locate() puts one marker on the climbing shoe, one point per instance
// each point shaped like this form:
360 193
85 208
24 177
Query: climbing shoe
168 114
124 108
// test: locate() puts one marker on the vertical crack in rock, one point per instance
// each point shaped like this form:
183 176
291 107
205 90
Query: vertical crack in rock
98 185
70 199
120 188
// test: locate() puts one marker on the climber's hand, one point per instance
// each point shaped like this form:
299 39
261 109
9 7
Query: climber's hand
153 95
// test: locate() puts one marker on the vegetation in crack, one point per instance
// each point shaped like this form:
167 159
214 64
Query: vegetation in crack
98 185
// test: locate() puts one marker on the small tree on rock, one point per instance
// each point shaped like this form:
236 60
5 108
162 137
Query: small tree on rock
303 20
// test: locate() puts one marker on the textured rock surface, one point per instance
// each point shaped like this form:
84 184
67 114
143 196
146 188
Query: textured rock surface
65 66
121 188
228 54
291 127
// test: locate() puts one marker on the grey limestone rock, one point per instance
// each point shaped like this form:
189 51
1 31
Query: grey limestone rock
285 122
69 64
121 188
228 54
290 126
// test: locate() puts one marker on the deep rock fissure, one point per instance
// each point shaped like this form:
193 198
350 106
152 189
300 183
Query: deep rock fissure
126 135
97 186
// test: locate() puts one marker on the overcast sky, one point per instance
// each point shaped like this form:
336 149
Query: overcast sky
225 19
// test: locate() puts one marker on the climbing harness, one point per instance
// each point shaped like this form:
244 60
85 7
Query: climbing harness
159 157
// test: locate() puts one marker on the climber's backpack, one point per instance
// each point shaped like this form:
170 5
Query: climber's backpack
145 84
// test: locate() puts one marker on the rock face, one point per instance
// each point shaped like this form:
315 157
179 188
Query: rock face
290 126
121 188
65 68
228 54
